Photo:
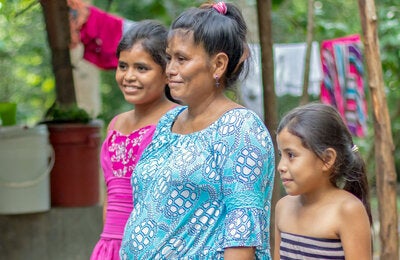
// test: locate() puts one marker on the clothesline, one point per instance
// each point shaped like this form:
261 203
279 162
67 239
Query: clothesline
336 70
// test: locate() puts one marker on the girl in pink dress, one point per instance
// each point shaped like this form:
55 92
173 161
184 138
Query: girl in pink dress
140 76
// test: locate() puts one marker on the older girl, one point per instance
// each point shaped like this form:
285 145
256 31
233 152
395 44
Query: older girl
142 80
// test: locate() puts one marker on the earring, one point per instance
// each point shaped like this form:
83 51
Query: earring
216 81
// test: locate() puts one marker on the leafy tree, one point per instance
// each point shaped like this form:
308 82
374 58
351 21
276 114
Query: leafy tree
25 71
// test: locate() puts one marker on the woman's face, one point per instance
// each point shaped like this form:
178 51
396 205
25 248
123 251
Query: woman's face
139 77
189 70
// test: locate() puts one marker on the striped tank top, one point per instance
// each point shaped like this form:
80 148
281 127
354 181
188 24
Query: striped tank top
296 247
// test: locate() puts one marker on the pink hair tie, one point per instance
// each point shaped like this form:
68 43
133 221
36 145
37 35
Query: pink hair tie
220 7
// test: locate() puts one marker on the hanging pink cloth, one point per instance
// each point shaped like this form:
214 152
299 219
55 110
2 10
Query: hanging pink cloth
100 35
342 85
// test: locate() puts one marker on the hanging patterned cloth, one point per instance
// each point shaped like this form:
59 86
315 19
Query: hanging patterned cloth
342 85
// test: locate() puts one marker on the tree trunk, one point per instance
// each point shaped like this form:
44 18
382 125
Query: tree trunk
384 148
270 110
310 32
56 16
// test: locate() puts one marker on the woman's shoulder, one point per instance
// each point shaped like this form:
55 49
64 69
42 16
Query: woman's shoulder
240 113
169 117
171 114
119 119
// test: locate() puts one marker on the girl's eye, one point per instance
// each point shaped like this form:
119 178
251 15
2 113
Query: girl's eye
290 155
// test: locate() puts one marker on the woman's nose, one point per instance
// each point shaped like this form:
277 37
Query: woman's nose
170 68
130 75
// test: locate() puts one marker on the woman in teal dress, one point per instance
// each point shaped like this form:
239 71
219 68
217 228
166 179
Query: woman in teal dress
202 188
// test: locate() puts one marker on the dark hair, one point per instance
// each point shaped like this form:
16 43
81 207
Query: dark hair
320 127
152 35
218 33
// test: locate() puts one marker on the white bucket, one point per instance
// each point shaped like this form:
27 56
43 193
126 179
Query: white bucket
26 159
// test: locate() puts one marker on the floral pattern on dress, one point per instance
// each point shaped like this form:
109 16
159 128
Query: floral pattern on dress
123 150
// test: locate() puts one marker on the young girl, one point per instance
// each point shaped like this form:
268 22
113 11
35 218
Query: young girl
140 76
326 214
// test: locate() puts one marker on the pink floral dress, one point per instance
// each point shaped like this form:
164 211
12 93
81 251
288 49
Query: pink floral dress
119 155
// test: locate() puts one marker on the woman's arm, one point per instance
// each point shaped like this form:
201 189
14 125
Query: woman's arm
239 253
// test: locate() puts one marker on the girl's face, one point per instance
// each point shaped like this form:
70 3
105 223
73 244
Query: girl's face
189 69
139 77
300 169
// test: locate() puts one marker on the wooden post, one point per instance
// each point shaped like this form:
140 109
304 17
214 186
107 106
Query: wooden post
310 33
384 148
270 109
58 33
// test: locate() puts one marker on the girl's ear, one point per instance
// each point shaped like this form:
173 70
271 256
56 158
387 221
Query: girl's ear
220 63
329 159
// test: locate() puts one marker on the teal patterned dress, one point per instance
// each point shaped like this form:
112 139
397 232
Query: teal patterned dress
199 193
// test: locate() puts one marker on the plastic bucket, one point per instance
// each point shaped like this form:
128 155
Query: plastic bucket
75 175
26 159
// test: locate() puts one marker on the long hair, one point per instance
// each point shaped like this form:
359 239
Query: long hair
321 127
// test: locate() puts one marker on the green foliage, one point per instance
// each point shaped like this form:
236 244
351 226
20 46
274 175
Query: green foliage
389 37
66 114
290 20
25 70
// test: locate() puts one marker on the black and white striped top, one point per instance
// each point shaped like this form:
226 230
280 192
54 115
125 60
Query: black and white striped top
296 247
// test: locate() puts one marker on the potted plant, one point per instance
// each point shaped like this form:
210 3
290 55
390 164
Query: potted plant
75 138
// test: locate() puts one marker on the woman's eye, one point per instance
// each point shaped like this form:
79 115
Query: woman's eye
122 66
290 155
142 68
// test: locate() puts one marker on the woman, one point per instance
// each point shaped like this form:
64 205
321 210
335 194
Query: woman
203 186
141 77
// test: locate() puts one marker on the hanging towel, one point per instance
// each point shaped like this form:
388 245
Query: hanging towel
342 85
289 64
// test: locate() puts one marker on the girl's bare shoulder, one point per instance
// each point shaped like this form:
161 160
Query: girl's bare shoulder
285 203
348 204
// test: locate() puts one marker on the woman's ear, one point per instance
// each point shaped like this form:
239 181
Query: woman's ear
220 63
166 79
329 159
